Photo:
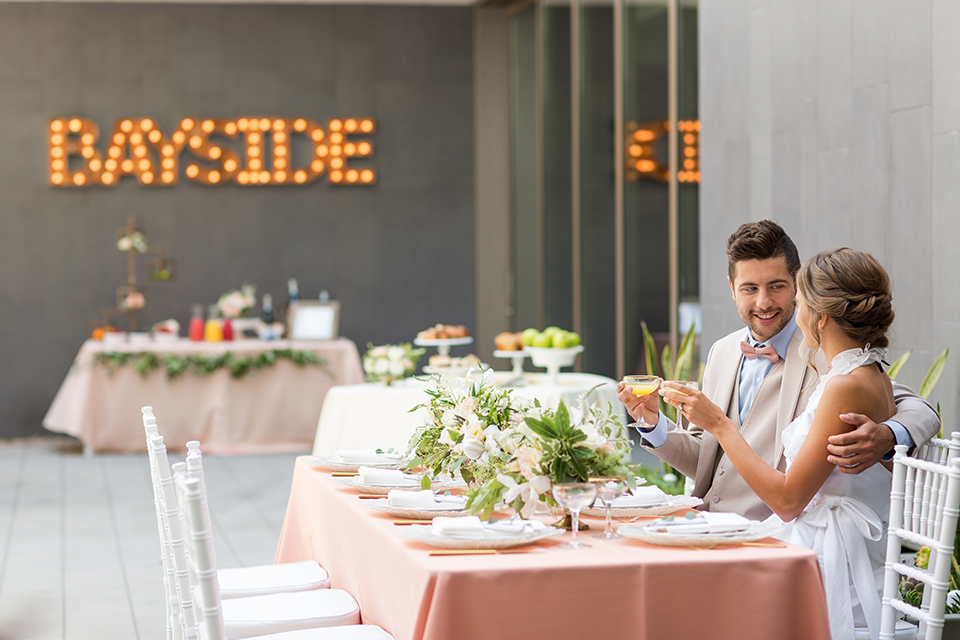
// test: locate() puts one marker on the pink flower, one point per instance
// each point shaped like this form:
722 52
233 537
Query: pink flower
528 460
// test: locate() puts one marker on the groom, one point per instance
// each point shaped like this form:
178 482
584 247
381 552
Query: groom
759 379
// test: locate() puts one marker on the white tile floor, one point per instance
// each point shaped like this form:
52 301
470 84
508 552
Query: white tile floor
79 551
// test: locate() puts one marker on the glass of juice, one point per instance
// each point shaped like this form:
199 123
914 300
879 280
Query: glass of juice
641 386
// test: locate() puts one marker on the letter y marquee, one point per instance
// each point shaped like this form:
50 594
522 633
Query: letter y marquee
137 147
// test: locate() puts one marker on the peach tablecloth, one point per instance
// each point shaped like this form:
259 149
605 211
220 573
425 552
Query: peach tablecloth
617 589
273 409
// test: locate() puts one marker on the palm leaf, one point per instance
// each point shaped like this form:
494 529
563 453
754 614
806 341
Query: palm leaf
933 375
649 350
667 363
685 360
898 364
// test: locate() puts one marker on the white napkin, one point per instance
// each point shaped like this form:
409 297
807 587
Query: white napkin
384 477
467 527
706 522
366 456
426 500
640 497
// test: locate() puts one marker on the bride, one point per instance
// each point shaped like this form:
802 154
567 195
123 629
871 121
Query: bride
844 308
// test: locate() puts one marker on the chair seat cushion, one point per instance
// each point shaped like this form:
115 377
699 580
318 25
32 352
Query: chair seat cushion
279 612
350 632
244 582
904 631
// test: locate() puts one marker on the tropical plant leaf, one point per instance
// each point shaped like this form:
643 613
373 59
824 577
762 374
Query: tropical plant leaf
541 428
649 350
685 359
933 375
666 362
898 364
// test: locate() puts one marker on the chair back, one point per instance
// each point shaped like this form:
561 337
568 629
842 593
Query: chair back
924 506
201 558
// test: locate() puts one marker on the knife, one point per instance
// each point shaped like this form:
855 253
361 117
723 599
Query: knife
476 552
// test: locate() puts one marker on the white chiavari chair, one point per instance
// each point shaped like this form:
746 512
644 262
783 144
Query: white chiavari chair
924 505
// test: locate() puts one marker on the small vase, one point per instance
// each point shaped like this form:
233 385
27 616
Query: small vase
566 523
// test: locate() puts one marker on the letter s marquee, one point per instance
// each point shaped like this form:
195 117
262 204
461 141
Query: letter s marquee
137 147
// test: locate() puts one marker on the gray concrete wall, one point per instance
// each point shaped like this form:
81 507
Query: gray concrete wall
398 255
841 120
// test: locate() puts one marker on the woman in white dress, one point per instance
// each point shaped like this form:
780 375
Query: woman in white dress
844 308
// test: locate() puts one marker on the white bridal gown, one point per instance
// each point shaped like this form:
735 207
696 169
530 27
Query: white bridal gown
846 521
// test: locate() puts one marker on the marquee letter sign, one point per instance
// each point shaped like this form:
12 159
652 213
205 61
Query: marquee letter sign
137 147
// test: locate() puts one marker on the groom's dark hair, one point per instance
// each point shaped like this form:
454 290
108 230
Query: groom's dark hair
760 241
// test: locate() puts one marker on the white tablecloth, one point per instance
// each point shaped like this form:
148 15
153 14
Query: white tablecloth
374 415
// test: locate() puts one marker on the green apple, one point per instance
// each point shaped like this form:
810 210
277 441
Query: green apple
559 340
528 336
573 339
542 340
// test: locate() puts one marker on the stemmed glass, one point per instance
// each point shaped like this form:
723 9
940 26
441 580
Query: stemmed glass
691 384
609 488
641 386
574 496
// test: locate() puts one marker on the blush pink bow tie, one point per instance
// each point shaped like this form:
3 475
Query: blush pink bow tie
766 351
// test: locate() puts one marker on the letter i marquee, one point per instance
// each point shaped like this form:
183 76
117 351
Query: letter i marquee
263 156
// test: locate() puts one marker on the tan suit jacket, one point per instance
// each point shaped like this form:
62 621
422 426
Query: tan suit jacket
781 398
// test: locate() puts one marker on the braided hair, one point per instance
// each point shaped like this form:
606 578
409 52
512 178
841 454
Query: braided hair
853 289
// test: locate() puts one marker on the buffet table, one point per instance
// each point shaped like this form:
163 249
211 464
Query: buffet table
374 415
617 589
272 409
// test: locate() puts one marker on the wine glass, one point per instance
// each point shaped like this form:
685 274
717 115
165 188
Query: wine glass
574 496
641 386
609 488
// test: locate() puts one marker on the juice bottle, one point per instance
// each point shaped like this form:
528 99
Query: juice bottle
196 323
212 332
227 330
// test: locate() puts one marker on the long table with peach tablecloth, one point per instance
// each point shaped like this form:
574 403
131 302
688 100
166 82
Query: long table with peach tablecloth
617 589
272 409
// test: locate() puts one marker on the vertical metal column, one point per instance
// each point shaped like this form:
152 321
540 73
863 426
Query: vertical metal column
539 25
673 187
618 185
576 240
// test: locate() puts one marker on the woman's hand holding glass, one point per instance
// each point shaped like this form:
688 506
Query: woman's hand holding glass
693 405
638 394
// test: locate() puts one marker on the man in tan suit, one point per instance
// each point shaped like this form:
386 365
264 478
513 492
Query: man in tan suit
757 376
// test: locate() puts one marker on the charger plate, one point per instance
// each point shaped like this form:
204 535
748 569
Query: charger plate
668 506
383 504
752 533
332 464
382 489
424 533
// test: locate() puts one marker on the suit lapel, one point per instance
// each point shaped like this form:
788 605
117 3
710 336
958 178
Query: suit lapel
722 396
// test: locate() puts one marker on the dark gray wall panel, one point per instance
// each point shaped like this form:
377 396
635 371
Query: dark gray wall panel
398 255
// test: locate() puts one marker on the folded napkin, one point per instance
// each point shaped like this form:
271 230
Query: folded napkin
366 456
473 527
384 477
707 522
639 497
426 500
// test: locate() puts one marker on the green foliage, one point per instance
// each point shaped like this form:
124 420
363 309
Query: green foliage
145 362
664 477
933 375
898 364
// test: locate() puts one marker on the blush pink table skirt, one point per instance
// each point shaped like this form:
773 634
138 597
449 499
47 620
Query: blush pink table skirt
617 589
273 409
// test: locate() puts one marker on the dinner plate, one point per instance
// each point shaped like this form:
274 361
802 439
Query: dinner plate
332 464
668 506
383 504
436 342
383 489
424 533
753 532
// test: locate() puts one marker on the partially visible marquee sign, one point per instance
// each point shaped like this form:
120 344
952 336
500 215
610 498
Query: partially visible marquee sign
137 147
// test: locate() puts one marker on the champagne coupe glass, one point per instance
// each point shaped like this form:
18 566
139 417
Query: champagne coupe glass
609 488
690 384
641 386
574 496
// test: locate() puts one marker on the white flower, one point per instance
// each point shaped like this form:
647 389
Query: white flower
396 368
445 437
528 459
449 419
472 448
467 405
473 428
124 244
594 440
528 492
396 353
381 367
378 352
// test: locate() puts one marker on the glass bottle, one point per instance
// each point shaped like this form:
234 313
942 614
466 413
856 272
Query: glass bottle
266 313
212 332
196 323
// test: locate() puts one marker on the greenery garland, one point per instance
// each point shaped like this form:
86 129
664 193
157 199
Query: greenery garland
145 362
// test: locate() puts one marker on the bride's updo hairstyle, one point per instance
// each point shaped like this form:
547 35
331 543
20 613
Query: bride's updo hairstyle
850 287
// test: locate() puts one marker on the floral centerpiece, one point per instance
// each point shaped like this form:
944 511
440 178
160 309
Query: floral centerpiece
470 429
132 301
390 362
555 446
133 241
237 303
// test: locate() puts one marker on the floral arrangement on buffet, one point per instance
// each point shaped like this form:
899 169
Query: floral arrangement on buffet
510 451
146 362
132 301
238 302
390 362
132 241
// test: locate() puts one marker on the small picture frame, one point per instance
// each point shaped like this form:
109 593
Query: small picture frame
313 320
